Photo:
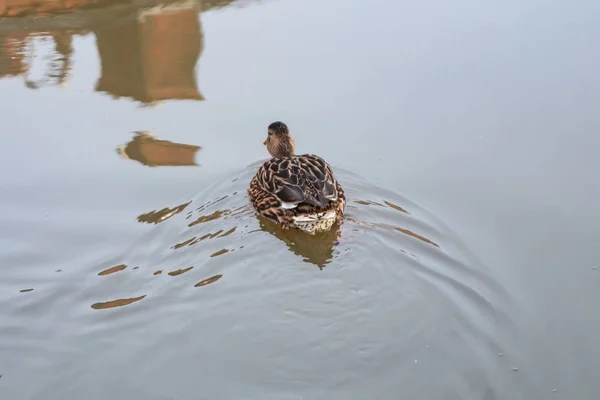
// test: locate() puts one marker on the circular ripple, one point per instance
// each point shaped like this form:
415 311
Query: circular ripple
388 305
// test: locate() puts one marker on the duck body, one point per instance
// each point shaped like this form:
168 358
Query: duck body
298 192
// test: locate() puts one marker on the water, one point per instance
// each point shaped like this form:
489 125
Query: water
465 136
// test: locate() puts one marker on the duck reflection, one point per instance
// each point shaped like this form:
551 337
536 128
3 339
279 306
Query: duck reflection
148 49
315 249
152 152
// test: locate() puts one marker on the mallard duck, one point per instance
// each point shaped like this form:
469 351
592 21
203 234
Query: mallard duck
296 191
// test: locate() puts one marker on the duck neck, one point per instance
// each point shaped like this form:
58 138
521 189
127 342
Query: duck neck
283 149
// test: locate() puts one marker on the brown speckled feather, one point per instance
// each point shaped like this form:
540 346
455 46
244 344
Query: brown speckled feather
306 181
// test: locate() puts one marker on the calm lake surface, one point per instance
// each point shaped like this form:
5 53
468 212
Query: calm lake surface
465 134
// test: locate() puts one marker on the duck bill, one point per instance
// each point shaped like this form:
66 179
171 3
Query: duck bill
265 142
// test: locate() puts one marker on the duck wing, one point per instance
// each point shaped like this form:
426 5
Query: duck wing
299 179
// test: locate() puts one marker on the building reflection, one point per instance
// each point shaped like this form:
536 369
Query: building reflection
146 149
12 55
148 49
16 54
153 57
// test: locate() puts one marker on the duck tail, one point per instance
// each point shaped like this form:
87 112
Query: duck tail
315 221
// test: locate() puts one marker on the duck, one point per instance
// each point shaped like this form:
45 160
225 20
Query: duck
296 191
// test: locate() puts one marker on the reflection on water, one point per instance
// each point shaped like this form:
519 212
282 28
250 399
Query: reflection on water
148 49
396 228
206 218
390 304
12 54
24 8
194 240
395 207
368 203
213 225
229 232
388 278
315 249
212 228
152 152
112 270
180 271
208 281
387 253
156 217
219 253
17 53
153 57
116 303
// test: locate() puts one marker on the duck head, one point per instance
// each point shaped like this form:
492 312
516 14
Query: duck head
279 142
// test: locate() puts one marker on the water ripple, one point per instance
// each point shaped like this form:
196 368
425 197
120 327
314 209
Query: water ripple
382 295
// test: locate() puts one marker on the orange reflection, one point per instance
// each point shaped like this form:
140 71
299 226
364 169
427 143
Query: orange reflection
395 228
13 54
180 271
205 218
184 243
368 203
152 57
155 217
208 280
22 8
148 49
112 270
116 303
219 253
147 150
16 54
396 207
229 232
213 202
415 235
192 241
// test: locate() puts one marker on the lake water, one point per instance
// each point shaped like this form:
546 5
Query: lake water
465 134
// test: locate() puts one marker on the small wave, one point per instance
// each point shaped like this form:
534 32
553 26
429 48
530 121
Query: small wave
388 289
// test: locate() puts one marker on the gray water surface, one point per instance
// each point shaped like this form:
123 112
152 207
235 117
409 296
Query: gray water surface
465 135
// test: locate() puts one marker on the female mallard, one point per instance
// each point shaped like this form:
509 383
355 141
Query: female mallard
297 191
